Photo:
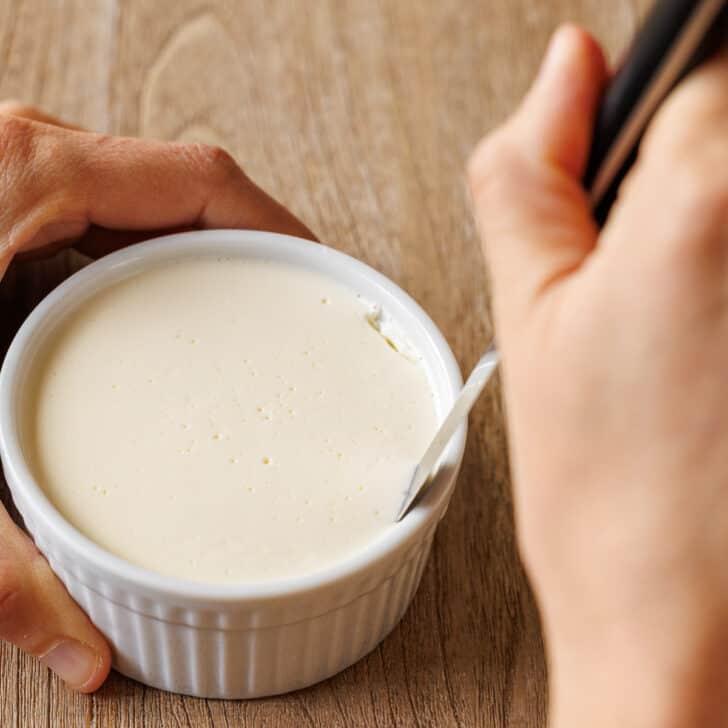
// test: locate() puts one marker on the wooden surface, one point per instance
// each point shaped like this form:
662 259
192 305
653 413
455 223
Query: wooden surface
359 115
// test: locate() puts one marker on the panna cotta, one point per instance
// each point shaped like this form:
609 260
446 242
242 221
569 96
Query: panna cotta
227 420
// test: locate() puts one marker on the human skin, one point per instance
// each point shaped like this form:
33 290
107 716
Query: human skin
61 186
615 353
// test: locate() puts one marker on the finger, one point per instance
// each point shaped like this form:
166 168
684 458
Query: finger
75 180
12 107
687 144
138 184
38 615
531 209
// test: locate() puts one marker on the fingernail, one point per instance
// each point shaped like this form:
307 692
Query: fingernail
73 662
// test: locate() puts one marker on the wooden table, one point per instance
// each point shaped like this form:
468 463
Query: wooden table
359 116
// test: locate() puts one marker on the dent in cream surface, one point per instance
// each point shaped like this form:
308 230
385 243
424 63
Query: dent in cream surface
226 420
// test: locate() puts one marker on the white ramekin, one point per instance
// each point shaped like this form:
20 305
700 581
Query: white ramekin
241 640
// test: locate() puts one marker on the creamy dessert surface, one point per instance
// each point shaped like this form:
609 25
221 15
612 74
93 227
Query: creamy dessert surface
226 420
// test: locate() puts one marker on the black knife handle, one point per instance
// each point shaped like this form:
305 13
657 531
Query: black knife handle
676 36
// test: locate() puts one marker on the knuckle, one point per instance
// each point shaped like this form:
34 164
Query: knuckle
491 156
693 112
26 148
666 134
104 141
700 194
684 148
216 164
493 170
17 137
692 192
25 145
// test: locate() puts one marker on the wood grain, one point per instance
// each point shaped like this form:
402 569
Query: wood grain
359 116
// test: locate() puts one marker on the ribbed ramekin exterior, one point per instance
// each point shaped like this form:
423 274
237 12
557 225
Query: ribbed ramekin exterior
232 662
210 642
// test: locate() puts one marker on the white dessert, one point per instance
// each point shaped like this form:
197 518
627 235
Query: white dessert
227 420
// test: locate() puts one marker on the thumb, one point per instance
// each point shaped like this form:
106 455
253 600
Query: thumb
38 615
532 211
